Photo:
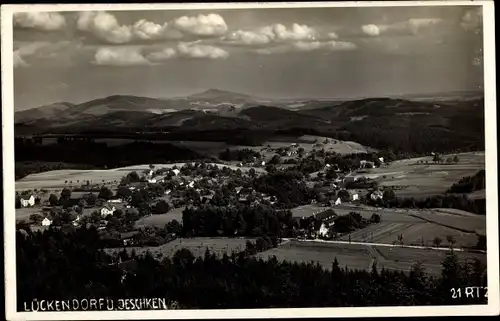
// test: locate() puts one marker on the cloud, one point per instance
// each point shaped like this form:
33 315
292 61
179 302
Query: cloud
201 25
162 55
48 21
276 33
190 50
147 30
119 56
472 20
104 26
303 46
413 26
371 30
38 49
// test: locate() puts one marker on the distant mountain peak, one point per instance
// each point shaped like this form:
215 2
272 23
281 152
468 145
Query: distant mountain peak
214 93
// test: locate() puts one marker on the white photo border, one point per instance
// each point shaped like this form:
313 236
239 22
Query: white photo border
493 306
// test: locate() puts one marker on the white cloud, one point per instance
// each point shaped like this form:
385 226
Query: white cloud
413 26
201 25
416 25
104 26
119 56
276 33
333 35
165 54
371 30
304 46
147 30
48 21
190 50
25 50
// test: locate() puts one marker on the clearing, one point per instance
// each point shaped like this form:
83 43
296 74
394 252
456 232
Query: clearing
419 179
196 245
159 220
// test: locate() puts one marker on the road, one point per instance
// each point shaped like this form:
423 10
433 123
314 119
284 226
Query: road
381 245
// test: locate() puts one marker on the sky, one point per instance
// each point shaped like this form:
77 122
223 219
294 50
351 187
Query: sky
268 52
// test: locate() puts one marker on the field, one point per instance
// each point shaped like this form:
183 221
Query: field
416 226
307 210
59 179
197 246
161 219
420 180
356 256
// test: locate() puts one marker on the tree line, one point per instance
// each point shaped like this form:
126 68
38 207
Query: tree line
58 265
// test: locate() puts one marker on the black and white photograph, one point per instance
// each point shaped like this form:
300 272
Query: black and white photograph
249 160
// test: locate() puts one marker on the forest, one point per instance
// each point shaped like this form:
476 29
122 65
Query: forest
470 184
60 265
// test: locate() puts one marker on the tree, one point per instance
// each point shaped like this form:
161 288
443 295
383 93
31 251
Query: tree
451 240
437 241
66 193
456 159
481 242
123 192
18 202
375 218
36 218
389 195
344 195
53 200
105 193
161 207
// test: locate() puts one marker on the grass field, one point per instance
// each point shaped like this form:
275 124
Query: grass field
161 219
420 180
59 179
362 257
354 256
197 246
307 210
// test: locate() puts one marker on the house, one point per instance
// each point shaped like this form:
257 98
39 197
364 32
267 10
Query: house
176 172
168 191
107 210
377 195
263 163
238 189
76 221
191 184
115 200
381 159
323 230
46 222
152 180
335 201
354 196
27 201
294 145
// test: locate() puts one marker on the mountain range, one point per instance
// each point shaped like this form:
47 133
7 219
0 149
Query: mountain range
456 118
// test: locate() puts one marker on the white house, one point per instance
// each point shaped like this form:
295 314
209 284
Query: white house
107 210
27 201
76 221
152 180
168 191
381 159
323 230
263 163
46 222
336 201
191 184
176 172
354 196
115 200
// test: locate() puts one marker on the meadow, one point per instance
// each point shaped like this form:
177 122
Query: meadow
197 246
356 256
414 178
159 220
